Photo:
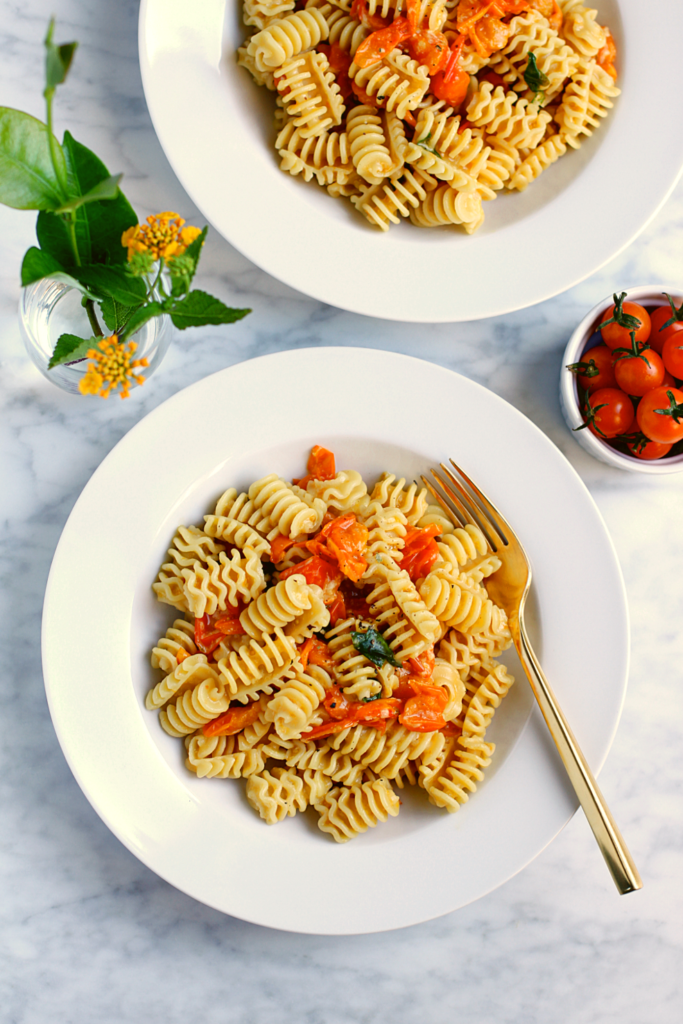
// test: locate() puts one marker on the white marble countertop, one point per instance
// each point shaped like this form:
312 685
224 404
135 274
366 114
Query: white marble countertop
90 934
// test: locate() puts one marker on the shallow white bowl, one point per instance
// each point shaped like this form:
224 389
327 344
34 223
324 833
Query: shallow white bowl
376 410
646 295
215 126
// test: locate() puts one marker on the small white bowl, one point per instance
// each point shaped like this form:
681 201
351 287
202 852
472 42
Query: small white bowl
646 295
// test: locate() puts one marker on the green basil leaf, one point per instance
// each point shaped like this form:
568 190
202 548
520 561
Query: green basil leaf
27 176
107 189
199 309
69 349
375 648
113 282
534 77
99 224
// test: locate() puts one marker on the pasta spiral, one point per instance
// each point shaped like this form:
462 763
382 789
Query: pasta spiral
279 606
457 601
205 757
293 708
235 533
396 80
284 38
179 636
310 93
537 161
448 206
252 666
194 708
368 144
345 813
184 676
284 510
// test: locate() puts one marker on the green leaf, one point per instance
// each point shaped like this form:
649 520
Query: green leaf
57 59
115 315
69 349
375 648
183 268
107 189
535 79
140 318
111 281
99 225
38 264
200 309
27 176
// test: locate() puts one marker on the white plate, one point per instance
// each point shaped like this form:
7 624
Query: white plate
215 126
376 410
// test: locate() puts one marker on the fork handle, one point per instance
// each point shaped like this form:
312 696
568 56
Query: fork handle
612 846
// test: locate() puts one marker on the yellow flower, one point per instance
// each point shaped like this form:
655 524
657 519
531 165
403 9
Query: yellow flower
163 236
112 367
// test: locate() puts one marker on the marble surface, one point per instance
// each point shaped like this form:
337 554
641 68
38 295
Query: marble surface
89 933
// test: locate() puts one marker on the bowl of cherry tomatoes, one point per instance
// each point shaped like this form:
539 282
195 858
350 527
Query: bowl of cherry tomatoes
621 385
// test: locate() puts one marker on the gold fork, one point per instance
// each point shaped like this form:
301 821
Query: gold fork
466 504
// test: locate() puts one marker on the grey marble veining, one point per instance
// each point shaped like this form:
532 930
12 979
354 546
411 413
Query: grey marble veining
88 933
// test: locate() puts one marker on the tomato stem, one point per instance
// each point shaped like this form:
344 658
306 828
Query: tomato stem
619 317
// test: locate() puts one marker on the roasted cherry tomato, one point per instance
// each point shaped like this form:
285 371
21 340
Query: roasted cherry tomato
672 354
622 318
451 84
321 571
233 720
420 550
608 413
660 415
595 369
380 44
643 448
607 55
638 374
343 540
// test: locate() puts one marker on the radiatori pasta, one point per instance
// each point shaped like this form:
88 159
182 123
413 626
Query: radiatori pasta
427 109
336 642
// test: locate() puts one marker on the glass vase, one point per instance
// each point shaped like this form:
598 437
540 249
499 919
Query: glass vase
49 308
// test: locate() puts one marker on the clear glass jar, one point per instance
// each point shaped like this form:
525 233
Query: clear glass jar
49 308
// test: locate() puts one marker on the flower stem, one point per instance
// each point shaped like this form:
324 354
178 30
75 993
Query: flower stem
92 317
49 94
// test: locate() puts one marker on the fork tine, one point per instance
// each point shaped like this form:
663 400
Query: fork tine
489 509
464 501
459 513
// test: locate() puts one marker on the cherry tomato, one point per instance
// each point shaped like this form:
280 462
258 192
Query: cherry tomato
379 44
659 332
660 415
451 84
624 316
636 375
606 56
672 354
595 369
669 379
233 720
643 448
608 412
429 49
